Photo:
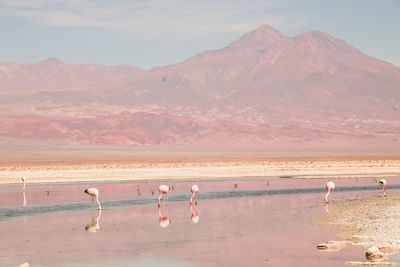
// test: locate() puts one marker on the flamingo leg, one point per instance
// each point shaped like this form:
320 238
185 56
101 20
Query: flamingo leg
326 196
98 202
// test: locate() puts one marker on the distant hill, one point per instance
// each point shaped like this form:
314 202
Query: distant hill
265 88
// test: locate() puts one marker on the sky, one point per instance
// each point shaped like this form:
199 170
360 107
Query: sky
150 33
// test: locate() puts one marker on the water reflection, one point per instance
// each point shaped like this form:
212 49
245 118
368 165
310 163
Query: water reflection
195 213
327 207
163 218
94 225
332 246
23 199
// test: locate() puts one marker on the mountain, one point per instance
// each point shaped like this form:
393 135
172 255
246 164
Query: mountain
54 75
264 88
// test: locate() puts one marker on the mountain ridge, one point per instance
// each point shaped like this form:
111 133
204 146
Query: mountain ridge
312 81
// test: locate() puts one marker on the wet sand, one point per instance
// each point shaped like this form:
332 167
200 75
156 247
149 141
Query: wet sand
42 172
373 221
242 222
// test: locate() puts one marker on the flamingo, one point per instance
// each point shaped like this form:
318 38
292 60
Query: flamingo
383 184
330 186
23 178
94 194
163 219
94 225
195 189
163 190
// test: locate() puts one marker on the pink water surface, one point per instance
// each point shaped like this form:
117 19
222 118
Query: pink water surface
269 230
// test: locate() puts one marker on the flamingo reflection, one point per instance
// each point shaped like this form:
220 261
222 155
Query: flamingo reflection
327 207
163 216
195 213
23 199
94 225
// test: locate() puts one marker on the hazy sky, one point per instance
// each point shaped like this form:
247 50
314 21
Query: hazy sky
148 33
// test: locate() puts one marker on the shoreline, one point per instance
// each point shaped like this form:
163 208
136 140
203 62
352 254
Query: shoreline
374 219
100 171
371 223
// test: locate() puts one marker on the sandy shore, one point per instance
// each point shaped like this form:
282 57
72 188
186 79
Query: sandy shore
146 170
374 220
372 224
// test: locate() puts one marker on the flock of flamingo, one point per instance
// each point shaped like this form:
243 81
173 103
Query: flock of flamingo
330 186
164 189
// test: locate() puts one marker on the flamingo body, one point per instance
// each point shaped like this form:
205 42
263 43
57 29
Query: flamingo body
94 194
24 178
162 190
194 189
330 186
383 184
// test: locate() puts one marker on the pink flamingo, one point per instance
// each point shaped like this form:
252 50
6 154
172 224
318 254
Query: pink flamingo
23 178
330 186
163 190
195 189
383 184
94 194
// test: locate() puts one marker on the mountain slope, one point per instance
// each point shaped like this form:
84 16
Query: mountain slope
264 88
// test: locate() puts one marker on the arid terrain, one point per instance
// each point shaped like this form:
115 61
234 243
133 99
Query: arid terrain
197 169
264 90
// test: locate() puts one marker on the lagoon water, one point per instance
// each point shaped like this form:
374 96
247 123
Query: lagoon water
249 222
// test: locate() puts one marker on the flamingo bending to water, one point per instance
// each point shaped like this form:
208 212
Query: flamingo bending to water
23 178
195 189
94 194
383 184
163 190
330 186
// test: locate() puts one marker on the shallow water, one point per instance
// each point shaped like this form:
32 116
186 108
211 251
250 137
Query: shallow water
248 222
